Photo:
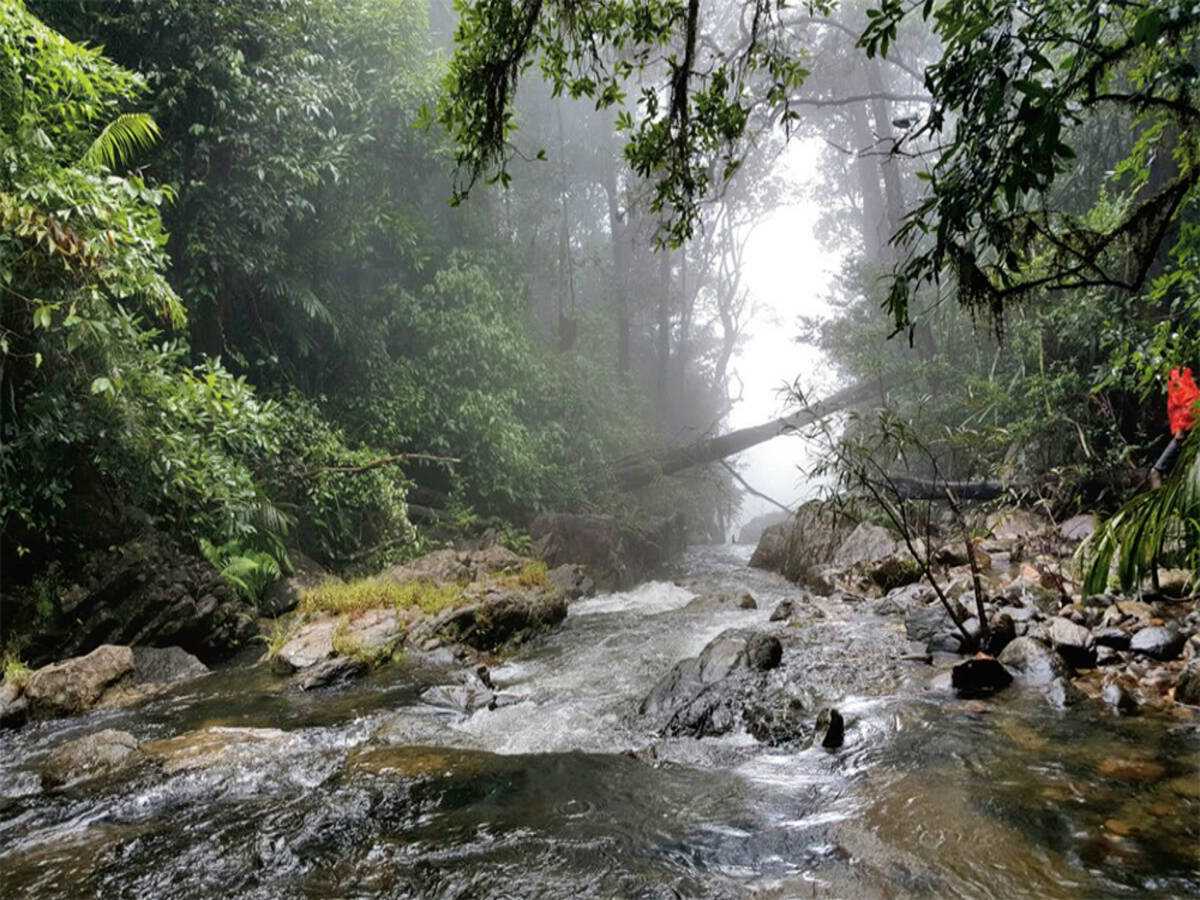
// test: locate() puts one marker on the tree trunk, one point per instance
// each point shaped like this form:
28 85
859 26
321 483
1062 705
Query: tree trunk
617 229
642 472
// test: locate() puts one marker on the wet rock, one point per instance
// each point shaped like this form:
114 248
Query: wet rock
979 677
1002 631
1187 688
701 696
155 670
208 747
1116 638
14 705
1161 642
434 763
328 672
831 728
867 543
88 757
1032 662
1118 697
312 643
899 601
572 581
501 618
747 601
283 595
782 611
1072 641
1023 592
76 685
764 652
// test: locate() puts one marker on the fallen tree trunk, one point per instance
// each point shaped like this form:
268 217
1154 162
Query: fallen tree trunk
936 489
708 450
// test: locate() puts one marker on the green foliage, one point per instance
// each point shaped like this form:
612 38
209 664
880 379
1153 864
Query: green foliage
348 510
1157 527
15 671
683 123
1014 86
250 572
121 140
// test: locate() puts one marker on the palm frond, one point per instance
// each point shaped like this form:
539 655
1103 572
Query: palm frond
1156 526
121 139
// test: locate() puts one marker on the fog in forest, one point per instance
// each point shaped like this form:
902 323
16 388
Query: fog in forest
577 448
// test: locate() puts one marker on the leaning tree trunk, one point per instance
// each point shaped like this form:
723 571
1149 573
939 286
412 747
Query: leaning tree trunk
641 472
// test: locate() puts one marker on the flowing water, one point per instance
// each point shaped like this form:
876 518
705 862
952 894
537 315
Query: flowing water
369 792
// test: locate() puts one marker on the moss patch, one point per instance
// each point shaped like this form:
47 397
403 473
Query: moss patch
373 593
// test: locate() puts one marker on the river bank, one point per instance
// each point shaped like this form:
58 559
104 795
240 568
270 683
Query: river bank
374 790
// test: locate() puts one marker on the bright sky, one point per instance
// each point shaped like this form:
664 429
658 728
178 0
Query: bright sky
787 273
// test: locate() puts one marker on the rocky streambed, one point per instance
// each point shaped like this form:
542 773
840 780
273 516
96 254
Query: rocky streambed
725 733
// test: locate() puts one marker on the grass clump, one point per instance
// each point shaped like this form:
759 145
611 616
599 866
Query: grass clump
280 634
375 593
532 575
15 671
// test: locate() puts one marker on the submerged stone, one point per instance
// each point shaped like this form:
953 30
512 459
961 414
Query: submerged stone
89 757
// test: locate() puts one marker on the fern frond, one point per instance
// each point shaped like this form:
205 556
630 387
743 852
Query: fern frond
121 139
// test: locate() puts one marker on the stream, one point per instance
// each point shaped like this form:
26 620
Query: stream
370 792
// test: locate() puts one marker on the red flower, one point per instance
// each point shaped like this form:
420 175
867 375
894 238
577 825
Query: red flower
1182 395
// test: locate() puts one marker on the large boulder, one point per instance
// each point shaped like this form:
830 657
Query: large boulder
799 547
615 555
867 543
701 696
89 757
501 617
148 592
76 685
